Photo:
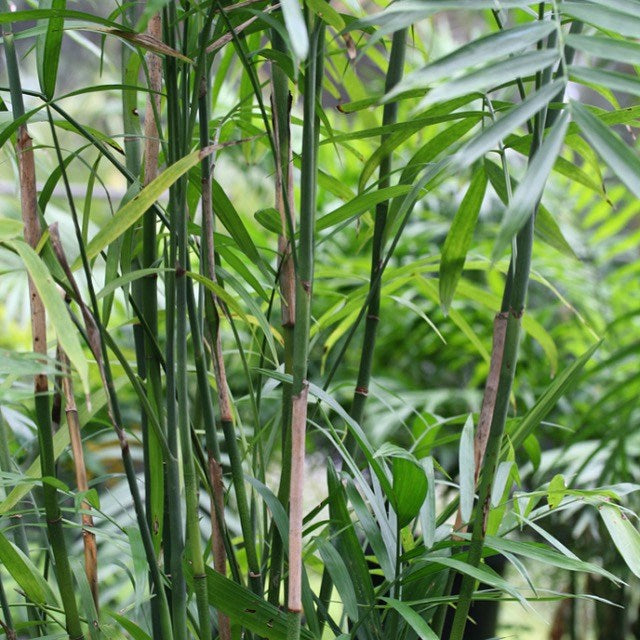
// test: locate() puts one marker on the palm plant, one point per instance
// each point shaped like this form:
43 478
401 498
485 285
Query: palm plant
165 314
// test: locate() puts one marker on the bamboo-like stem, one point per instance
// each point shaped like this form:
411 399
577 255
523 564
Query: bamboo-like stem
389 116
280 113
304 286
174 543
208 268
7 623
32 234
130 117
149 365
513 305
179 256
215 309
88 537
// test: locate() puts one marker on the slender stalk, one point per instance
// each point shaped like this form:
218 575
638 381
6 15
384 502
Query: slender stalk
304 285
175 537
131 120
208 268
32 234
280 113
7 623
215 309
88 537
390 114
149 296
149 365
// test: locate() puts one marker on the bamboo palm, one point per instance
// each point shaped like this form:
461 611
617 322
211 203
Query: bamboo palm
32 234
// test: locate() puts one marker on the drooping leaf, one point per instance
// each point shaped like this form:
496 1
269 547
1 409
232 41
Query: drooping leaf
618 155
467 470
56 309
478 52
624 535
532 185
458 240
506 124
610 80
626 24
413 618
296 28
602 47
48 46
340 576
490 76
25 573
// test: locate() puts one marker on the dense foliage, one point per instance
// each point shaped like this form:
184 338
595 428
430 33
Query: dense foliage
320 320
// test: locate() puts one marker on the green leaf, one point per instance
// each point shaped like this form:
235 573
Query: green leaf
347 544
56 309
531 187
467 470
545 554
507 124
10 229
325 11
604 17
613 150
48 48
624 535
549 398
340 576
127 278
269 218
602 47
25 573
226 212
409 489
296 28
413 618
60 443
128 625
246 609
372 530
546 227
477 52
482 574
44 14
611 80
360 204
428 509
135 208
458 240
491 76
556 491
